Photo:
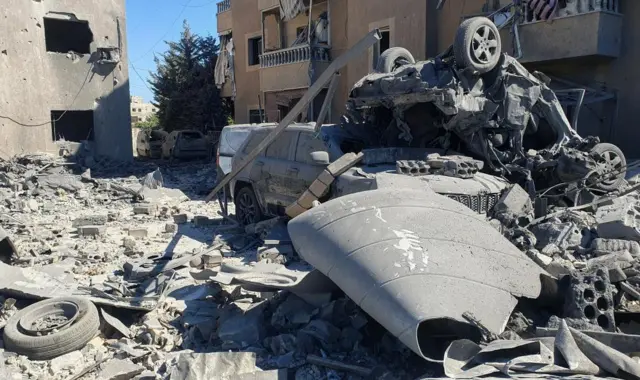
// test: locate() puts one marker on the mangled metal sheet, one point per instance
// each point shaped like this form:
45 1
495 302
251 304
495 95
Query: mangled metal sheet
416 262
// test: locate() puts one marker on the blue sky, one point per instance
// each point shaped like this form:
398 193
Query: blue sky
151 22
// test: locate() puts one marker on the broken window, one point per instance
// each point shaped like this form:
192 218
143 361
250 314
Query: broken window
72 125
254 46
63 36
382 45
255 116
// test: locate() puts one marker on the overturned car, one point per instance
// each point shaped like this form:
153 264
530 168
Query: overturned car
479 101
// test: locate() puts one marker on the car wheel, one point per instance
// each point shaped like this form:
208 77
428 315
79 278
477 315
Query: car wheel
393 58
477 45
615 166
247 207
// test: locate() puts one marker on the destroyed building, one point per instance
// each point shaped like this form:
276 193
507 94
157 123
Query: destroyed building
581 44
65 79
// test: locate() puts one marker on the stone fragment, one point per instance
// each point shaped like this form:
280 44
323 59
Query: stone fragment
67 362
211 259
612 260
539 258
91 230
281 344
562 235
514 205
202 221
318 188
326 177
153 180
91 220
181 218
129 243
145 209
343 163
243 329
293 312
33 205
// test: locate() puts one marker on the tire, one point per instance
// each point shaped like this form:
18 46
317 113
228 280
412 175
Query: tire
46 347
613 158
247 207
393 58
477 45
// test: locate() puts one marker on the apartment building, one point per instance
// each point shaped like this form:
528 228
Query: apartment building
64 75
589 48
141 111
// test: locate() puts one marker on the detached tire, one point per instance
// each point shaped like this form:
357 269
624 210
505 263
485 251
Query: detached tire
68 339
612 157
393 58
477 45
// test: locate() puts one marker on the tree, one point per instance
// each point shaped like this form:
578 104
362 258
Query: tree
152 122
184 87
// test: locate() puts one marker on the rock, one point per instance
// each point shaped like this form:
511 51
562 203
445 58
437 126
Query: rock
212 258
90 220
91 230
619 221
153 180
33 205
119 369
242 329
129 243
539 258
145 209
281 344
292 313
65 182
318 332
612 260
563 235
67 362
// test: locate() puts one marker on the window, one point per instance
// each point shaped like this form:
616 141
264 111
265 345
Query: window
254 46
254 139
308 143
280 148
63 36
72 125
382 45
255 116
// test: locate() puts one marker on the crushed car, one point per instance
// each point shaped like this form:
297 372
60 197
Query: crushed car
185 144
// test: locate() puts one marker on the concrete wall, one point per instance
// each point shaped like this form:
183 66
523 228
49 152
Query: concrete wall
246 24
35 81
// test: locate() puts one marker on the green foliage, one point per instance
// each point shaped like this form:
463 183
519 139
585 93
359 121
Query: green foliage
184 87
230 120
151 123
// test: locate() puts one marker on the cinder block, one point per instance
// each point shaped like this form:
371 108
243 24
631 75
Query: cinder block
91 230
171 227
294 210
90 220
306 199
138 232
326 177
318 188
181 218
202 221
145 209
343 163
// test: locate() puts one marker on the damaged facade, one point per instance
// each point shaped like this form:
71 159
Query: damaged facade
64 77
272 68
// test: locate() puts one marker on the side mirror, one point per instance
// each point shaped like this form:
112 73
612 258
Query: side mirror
320 158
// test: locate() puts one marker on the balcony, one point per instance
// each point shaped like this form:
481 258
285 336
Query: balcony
289 68
581 29
224 16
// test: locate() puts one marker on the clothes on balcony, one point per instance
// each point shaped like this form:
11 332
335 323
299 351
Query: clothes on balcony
290 9
224 65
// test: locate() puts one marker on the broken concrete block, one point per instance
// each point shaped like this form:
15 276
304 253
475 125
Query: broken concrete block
91 230
181 218
67 362
344 163
90 220
202 221
622 259
139 233
212 258
318 188
145 209
171 228
539 258
294 210
119 369
514 204
563 235
617 275
619 221
306 199
129 243
243 329
601 247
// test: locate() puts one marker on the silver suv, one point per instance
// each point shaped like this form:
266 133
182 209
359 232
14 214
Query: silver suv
279 176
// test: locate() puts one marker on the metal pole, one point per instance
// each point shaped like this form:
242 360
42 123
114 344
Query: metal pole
333 86
310 21
359 48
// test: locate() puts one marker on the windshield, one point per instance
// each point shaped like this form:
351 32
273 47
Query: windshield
232 139
191 135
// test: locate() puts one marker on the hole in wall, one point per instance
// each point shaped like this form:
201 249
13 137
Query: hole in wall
72 126
63 36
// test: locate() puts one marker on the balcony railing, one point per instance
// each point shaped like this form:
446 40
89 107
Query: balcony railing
294 54
539 10
224 5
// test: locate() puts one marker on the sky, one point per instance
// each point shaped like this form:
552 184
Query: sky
152 22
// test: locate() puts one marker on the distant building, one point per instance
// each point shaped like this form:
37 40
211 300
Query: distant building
64 77
141 111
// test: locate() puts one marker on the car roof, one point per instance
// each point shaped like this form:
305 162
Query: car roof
245 127
308 127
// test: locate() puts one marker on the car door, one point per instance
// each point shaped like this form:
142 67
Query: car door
307 170
257 172
279 161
